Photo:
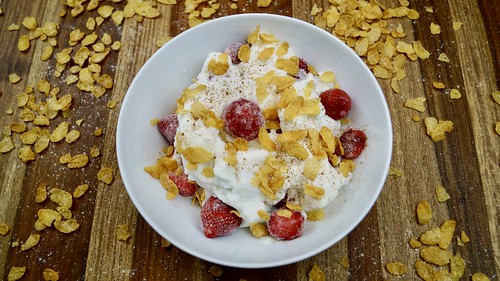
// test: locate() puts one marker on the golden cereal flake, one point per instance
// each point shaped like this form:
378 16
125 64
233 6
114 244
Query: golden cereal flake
24 43
122 232
447 231
50 275
435 28
41 193
6 144
4 229
219 65
437 129
438 85
72 136
316 215
197 155
457 266
78 161
312 166
80 190
455 94
441 194
263 3
48 216
61 198
105 175
315 192
443 57
464 237
14 78
26 154
16 273
417 104
424 212
31 242
496 96
67 226
94 152
396 268
393 171
259 229
435 255
457 25
424 270
316 274
431 236
60 132
169 185
414 243
479 276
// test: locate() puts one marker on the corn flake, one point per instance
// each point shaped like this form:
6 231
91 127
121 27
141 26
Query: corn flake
435 255
50 275
443 57
417 104
316 274
441 194
105 175
437 129
4 229
14 78
435 28
122 232
16 273
259 230
6 144
67 226
424 212
31 242
26 154
396 268
80 190
61 198
316 215
479 276
78 161
455 94
41 193
197 155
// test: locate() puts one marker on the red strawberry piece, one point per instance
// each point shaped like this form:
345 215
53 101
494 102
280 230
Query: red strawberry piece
186 187
285 228
168 127
303 65
232 51
217 219
353 142
336 102
303 69
243 118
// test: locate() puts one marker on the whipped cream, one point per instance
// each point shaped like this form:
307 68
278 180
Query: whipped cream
234 184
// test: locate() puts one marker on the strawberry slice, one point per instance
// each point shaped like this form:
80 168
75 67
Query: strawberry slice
168 127
285 224
243 118
186 187
353 142
336 102
218 219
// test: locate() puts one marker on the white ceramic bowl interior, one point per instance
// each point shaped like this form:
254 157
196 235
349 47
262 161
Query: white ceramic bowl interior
153 94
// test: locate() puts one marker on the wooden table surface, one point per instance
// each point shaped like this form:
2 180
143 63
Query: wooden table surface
465 163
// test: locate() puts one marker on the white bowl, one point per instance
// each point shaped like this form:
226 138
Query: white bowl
153 94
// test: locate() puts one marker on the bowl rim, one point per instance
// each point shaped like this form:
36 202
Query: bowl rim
384 170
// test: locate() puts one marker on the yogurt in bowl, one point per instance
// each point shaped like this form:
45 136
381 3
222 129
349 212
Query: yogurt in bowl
237 178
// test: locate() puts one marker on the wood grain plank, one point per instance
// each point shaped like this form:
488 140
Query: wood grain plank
482 64
457 155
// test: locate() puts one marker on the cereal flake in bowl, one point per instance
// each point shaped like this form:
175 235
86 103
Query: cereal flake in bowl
259 137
